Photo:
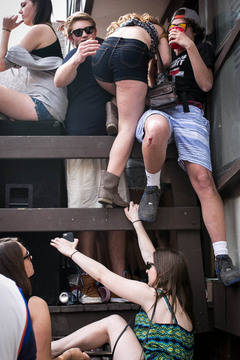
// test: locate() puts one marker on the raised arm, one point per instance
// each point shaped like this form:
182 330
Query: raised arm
8 24
203 74
67 72
145 244
135 291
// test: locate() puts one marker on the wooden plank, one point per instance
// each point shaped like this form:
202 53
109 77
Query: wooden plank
230 178
227 47
63 147
65 322
189 243
62 219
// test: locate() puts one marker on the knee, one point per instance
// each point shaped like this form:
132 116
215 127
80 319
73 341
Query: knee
157 128
205 182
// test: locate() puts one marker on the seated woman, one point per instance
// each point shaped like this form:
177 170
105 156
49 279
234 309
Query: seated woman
166 313
40 52
16 264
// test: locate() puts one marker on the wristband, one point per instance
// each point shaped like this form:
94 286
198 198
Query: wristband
6 29
73 253
135 221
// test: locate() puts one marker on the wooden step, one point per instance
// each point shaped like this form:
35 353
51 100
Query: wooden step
69 318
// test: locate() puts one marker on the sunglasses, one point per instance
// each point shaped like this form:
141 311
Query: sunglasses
149 265
28 255
183 26
78 32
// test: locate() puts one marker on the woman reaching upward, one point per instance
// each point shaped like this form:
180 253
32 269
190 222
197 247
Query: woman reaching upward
166 312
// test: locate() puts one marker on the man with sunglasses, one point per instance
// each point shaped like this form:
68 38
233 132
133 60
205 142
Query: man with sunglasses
86 115
185 124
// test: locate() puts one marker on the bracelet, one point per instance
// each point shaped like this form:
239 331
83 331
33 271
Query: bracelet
136 221
73 253
6 29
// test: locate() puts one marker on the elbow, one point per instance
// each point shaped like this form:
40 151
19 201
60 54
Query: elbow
2 67
57 83
207 87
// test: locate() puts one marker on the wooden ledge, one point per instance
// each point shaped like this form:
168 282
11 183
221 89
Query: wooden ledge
63 219
93 307
64 147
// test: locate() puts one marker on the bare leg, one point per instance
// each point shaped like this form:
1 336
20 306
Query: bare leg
154 146
211 202
116 249
87 243
99 333
17 105
131 102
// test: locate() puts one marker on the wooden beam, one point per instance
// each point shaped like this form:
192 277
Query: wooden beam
64 147
228 45
89 6
62 219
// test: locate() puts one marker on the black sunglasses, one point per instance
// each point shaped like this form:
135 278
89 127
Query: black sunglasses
28 255
149 265
78 32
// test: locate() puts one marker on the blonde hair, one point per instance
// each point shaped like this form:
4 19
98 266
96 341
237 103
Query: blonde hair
144 18
78 15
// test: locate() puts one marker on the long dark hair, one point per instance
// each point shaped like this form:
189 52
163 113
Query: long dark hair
173 278
43 11
12 264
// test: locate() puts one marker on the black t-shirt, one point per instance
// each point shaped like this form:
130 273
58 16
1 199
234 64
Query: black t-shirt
181 71
86 114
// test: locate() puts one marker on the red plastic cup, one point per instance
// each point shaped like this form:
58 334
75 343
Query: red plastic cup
176 46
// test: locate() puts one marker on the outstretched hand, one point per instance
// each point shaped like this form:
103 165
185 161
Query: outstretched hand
65 247
132 212
10 22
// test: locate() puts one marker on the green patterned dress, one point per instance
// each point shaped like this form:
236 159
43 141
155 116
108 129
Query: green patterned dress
165 341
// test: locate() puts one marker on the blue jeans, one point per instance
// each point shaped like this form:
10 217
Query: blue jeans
42 113
121 59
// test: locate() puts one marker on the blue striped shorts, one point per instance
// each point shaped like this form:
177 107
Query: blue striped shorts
189 131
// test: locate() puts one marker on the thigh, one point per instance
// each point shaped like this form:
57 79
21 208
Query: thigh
127 345
131 97
191 135
17 105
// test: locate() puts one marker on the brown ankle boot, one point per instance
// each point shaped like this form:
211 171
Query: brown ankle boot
108 191
111 118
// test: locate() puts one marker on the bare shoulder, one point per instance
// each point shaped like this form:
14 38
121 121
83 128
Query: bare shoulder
159 29
37 304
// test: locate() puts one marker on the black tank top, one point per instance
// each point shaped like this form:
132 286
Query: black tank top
51 50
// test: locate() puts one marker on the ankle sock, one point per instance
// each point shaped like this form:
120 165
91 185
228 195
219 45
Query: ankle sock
153 179
220 248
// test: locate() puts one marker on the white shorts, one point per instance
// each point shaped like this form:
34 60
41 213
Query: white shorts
83 178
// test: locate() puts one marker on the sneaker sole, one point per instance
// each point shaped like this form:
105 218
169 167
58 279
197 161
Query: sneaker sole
231 282
91 300
118 300
145 219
